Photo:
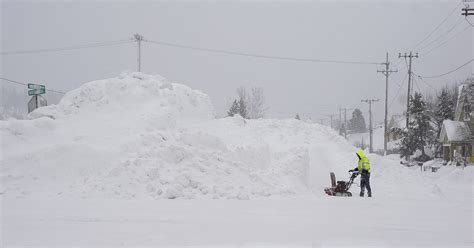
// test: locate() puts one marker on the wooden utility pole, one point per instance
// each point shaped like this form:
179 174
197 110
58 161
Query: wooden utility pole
340 123
369 101
331 116
387 73
138 38
345 119
410 56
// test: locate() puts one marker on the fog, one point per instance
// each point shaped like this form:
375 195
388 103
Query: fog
338 30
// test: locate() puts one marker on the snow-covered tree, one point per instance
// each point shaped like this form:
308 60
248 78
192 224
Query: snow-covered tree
234 108
256 102
357 122
441 107
243 108
419 132
251 106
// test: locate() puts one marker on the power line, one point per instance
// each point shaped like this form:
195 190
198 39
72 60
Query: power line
424 81
399 90
448 40
460 20
25 84
437 27
440 75
416 84
470 23
58 49
260 55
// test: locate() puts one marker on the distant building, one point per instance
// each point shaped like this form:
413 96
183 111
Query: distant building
457 136
395 127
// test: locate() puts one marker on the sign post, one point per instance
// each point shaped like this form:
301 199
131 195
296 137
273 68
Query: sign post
36 101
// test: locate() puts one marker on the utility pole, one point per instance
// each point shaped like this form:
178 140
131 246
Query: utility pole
331 116
410 56
340 123
369 101
139 38
387 73
345 119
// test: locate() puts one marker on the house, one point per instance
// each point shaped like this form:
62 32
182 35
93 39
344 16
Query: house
457 136
395 127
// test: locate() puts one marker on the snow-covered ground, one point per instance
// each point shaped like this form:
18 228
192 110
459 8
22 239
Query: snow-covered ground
137 160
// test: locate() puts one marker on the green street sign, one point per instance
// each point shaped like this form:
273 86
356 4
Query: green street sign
33 92
36 86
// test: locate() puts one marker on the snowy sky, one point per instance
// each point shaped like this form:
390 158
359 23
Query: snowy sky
336 30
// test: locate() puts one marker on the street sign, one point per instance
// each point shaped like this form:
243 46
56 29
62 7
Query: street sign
33 92
36 89
36 86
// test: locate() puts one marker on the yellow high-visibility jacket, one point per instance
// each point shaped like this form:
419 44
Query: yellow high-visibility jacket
364 163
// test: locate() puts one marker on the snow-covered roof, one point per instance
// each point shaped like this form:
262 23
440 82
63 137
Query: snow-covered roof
455 131
466 92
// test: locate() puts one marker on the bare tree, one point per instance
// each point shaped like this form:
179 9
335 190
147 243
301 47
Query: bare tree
256 108
251 105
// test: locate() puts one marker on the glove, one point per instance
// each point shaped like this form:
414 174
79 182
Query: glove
351 170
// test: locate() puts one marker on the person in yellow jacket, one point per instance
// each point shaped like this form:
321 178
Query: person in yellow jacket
363 168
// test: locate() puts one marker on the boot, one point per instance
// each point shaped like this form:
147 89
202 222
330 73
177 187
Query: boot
369 194
361 194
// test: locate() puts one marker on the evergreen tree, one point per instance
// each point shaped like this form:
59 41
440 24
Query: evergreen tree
445 106
297 117
243 108
357 122
234 109
419 132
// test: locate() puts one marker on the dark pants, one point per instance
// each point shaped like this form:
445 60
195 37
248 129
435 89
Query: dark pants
365 183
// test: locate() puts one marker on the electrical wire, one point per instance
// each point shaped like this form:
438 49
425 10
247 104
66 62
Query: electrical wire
446 41
25 84
449 72
470 23
399 90
259 55
416 84
460 20
58 49
437 27
424 81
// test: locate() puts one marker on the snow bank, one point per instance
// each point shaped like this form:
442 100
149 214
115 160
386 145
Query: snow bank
140 136
131 93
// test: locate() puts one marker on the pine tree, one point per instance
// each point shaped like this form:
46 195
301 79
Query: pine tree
419 132
243 108
357 122
441 108
234 109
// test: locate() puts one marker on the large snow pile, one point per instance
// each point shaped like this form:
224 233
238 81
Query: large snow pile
140 136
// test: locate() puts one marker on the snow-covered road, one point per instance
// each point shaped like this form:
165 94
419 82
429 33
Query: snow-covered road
305 221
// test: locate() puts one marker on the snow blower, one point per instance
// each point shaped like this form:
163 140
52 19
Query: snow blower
341 188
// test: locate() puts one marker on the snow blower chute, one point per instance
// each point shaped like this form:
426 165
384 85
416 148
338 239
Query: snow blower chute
340 188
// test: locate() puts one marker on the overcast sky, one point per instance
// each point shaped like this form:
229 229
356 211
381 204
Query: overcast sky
334 30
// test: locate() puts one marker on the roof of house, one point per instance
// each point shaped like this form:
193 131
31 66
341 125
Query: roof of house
466 91
455 131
